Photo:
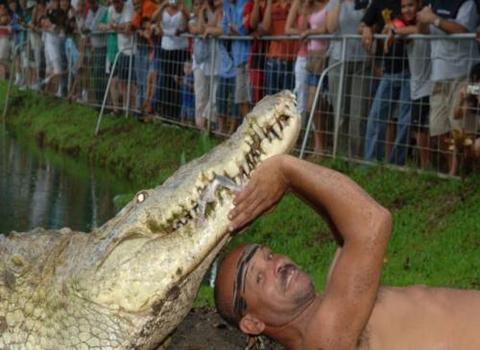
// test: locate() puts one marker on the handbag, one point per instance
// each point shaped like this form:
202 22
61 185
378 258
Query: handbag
316 61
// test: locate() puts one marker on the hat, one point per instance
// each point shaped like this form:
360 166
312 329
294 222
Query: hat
30 3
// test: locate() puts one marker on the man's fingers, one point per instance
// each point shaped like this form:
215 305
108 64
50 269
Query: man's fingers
246 215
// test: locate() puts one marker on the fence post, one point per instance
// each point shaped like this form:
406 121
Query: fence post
105 96
213 47
338 107
129 83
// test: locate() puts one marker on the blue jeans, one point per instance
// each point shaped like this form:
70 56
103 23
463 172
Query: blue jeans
278 75
393 89
141 63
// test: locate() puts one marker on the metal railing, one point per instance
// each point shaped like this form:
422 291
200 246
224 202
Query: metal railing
168 88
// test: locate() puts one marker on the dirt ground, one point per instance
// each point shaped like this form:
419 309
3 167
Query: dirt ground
203 329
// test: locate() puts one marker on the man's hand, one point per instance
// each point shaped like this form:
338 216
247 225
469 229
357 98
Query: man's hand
426 15
266 187
367 38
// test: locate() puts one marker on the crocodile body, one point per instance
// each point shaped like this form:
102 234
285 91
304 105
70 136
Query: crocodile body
129 283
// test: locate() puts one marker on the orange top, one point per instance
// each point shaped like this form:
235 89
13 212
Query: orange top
282 49
146 13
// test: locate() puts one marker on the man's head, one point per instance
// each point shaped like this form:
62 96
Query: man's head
118 5
137 5
258 291
410 9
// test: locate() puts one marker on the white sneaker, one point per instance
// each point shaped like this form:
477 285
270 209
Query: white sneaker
84 96
59 93
36 86
18 79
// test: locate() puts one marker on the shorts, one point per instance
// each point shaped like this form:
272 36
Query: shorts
443 102
242 85
313 79
123 64
420 114
53 60
225 98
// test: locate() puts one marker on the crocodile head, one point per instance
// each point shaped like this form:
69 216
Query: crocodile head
144 267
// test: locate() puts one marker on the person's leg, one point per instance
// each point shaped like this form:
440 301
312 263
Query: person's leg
377 121
357 110
221 102
141 71
439 123
286 75
402 140
275 76
318 115
242 95
301 87
201 86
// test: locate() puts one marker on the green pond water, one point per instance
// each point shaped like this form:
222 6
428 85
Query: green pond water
40 188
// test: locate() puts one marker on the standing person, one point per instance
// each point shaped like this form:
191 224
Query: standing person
173 21
451 62
344 18
297 23
5 33
394 87
51 27
280 53
146 55
252 19
36 43
17 25
98 48
202 14
187 114
420 67
233 24
118 19
227 110
316 63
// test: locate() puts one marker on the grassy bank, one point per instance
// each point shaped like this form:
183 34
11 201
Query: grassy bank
436 236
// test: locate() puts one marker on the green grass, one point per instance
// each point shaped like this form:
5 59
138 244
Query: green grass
436 236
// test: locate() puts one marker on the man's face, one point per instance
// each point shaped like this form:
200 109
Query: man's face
276 290
118 5
137 5
409 10
92 4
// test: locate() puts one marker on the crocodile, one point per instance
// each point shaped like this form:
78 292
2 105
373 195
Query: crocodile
130 282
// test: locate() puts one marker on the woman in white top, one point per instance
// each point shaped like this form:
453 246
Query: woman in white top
173 21
344 17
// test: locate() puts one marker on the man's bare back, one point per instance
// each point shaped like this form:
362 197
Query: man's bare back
424 318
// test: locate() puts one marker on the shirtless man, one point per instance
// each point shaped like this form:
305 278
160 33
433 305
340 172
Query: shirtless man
264 293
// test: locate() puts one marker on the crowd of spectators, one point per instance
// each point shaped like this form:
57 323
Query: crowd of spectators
396 92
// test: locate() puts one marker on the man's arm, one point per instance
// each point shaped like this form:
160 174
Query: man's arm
465 22
361 225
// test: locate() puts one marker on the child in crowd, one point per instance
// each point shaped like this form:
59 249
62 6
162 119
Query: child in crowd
53 58
4 40
467 111
187 112
421 87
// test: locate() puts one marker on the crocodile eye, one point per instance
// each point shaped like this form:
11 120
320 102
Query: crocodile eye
141 197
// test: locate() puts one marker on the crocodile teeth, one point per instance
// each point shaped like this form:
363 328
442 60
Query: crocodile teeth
277 130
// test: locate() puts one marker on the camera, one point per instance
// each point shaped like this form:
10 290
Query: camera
473 89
